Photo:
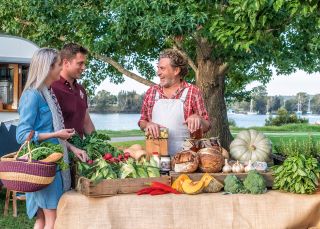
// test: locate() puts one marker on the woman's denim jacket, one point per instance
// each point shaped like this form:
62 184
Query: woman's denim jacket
34 115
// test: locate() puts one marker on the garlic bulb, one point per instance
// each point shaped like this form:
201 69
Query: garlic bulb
241 167
237 167
249 167
226 168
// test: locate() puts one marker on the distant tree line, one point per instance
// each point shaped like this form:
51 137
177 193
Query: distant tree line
124 102
262 103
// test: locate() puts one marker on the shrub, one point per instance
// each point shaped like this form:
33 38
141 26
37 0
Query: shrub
283 117
232 122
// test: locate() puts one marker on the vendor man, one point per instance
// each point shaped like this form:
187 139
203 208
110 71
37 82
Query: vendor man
173 103
72 96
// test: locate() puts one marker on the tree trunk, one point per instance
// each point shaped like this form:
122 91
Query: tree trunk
212 84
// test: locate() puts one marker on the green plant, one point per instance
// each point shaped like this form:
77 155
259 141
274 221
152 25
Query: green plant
308 147
96 145
283 117
298 174
232 122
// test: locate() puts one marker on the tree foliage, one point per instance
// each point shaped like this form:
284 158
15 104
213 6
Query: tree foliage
229 43
248 35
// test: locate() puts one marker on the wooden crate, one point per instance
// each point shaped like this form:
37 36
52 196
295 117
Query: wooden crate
221 176
157 145
112 187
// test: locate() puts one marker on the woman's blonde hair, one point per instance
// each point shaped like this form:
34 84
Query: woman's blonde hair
41 63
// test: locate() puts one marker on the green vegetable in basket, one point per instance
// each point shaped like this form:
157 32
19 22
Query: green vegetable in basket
95 144
151 166
142 171
43 150
128 170
255 183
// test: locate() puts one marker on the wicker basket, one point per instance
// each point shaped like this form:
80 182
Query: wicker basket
25 175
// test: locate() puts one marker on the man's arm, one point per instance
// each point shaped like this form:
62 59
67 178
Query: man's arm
200 118
88 124
195 122
151 128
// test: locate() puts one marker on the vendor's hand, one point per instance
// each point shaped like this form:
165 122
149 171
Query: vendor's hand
65 134
81 154
153 129
193 122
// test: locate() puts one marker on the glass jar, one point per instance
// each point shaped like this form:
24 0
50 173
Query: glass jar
155 156
165 163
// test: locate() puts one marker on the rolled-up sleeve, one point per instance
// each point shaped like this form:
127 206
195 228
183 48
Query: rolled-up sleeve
28 110
198 105
146 109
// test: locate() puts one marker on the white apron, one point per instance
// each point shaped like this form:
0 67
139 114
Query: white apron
169 113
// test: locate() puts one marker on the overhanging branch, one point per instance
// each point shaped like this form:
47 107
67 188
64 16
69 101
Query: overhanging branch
223 68
124 71
178 47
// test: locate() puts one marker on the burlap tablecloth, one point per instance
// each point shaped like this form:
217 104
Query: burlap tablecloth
271 210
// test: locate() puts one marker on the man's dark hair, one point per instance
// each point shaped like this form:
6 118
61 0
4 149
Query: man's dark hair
70 50
176 60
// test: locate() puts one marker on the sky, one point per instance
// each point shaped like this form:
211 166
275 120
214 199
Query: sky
279 85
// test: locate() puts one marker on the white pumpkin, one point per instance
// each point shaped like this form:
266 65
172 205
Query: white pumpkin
251 145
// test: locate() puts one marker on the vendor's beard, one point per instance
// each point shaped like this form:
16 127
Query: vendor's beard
167 83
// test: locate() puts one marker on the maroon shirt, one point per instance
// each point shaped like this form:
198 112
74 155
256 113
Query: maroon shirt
73 103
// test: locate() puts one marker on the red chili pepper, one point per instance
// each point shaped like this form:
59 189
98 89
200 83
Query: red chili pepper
164 187
147 190
158 192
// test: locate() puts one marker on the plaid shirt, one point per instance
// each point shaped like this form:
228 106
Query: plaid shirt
193 104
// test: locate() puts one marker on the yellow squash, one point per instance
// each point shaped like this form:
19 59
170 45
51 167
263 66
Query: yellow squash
177 184
193 187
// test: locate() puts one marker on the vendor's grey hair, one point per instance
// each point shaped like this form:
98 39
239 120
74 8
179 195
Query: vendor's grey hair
176 60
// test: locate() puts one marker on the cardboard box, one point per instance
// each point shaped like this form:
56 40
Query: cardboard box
157 145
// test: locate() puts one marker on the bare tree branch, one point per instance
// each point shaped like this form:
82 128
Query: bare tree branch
124 71
177 46
223 68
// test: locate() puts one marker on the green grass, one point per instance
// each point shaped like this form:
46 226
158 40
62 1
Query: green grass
284 128
127 144
122 133
10 222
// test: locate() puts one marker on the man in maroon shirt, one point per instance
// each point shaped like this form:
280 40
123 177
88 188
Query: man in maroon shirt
72 96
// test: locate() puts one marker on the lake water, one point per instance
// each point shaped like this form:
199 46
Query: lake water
129 121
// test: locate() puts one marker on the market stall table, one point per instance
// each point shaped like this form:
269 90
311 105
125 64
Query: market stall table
211 210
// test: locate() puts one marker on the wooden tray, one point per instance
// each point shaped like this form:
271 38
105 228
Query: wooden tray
221 176
112 187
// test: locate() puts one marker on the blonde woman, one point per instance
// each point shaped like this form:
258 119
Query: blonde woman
39 111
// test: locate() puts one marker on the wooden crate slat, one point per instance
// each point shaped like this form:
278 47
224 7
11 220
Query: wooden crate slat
117 186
